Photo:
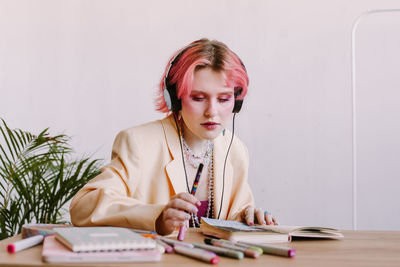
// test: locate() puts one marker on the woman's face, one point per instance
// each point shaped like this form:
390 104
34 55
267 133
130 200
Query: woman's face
207 110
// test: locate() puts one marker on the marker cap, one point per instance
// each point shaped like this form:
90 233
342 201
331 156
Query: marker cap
11 248
215 260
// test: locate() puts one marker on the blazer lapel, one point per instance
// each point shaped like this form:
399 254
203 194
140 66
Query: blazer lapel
222 190
174 169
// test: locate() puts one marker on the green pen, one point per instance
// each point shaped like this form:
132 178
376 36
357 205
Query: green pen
258 249
219 243
221 251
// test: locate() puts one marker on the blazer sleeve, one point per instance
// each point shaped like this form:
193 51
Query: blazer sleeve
242 196
109 198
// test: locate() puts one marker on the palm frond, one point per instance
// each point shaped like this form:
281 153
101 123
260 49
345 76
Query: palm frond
36 180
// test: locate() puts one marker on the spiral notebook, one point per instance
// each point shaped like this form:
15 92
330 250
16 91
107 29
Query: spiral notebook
84 239
53 251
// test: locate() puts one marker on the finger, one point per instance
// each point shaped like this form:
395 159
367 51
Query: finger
176 215
180 204
189 198
173 224
259 213
249 216
268 218
275 221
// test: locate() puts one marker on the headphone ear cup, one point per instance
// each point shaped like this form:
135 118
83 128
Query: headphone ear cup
238 102
167 98
238 106
171 99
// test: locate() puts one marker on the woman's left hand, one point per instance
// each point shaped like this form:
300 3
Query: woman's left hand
253 215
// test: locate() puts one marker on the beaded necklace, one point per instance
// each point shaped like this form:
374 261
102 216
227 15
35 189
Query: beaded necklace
208 160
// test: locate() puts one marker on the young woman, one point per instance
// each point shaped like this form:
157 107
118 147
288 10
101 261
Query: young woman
149 181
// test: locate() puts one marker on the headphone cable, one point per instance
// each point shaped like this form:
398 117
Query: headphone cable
180 143
226 157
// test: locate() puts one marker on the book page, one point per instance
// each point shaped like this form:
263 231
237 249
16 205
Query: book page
308 231
234 225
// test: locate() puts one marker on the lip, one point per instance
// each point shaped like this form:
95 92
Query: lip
210 125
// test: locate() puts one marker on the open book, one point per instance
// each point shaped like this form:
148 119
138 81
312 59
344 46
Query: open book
305 231
237 231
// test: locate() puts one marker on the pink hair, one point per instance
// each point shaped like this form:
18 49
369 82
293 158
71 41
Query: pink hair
200 54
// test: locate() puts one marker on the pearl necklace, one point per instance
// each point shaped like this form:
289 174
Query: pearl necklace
194 159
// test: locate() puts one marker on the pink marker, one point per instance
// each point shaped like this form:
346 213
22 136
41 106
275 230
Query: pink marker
197 253
182 232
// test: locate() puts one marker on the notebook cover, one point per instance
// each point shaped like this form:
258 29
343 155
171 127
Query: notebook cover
54 251
80 239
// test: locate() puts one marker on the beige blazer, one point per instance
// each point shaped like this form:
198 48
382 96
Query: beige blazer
146 171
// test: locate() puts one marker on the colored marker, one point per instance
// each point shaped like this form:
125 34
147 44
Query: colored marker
253 247
167 247
24 243
143 232
173 242
197 179
198 254
182 232
160 248
247 252
274 250
221 251
182 229
148 235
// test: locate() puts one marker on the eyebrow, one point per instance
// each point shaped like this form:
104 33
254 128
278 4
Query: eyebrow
221 93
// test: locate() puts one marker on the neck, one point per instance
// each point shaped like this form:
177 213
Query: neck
195 143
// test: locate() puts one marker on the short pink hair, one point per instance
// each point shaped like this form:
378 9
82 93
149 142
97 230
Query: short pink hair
200 54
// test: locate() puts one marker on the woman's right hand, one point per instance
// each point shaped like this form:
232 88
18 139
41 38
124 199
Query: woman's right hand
176 213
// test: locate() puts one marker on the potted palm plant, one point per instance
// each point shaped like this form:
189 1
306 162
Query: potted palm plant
38 176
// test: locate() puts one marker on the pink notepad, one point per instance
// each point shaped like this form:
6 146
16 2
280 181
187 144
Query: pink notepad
54 251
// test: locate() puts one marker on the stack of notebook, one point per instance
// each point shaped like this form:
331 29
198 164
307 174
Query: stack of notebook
98 244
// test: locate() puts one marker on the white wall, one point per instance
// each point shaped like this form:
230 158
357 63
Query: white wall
91 68
376 87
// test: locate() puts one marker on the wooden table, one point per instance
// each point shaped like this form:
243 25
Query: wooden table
358 248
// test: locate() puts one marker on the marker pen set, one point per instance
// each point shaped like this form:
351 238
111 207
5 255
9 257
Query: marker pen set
205 252
189 250
238 250
253 250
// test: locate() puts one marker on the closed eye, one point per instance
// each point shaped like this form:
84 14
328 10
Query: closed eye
224 99
197 98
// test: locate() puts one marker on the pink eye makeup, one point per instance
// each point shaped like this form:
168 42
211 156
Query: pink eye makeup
197 97
224 98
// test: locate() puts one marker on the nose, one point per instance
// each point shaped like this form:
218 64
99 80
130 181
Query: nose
211 109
